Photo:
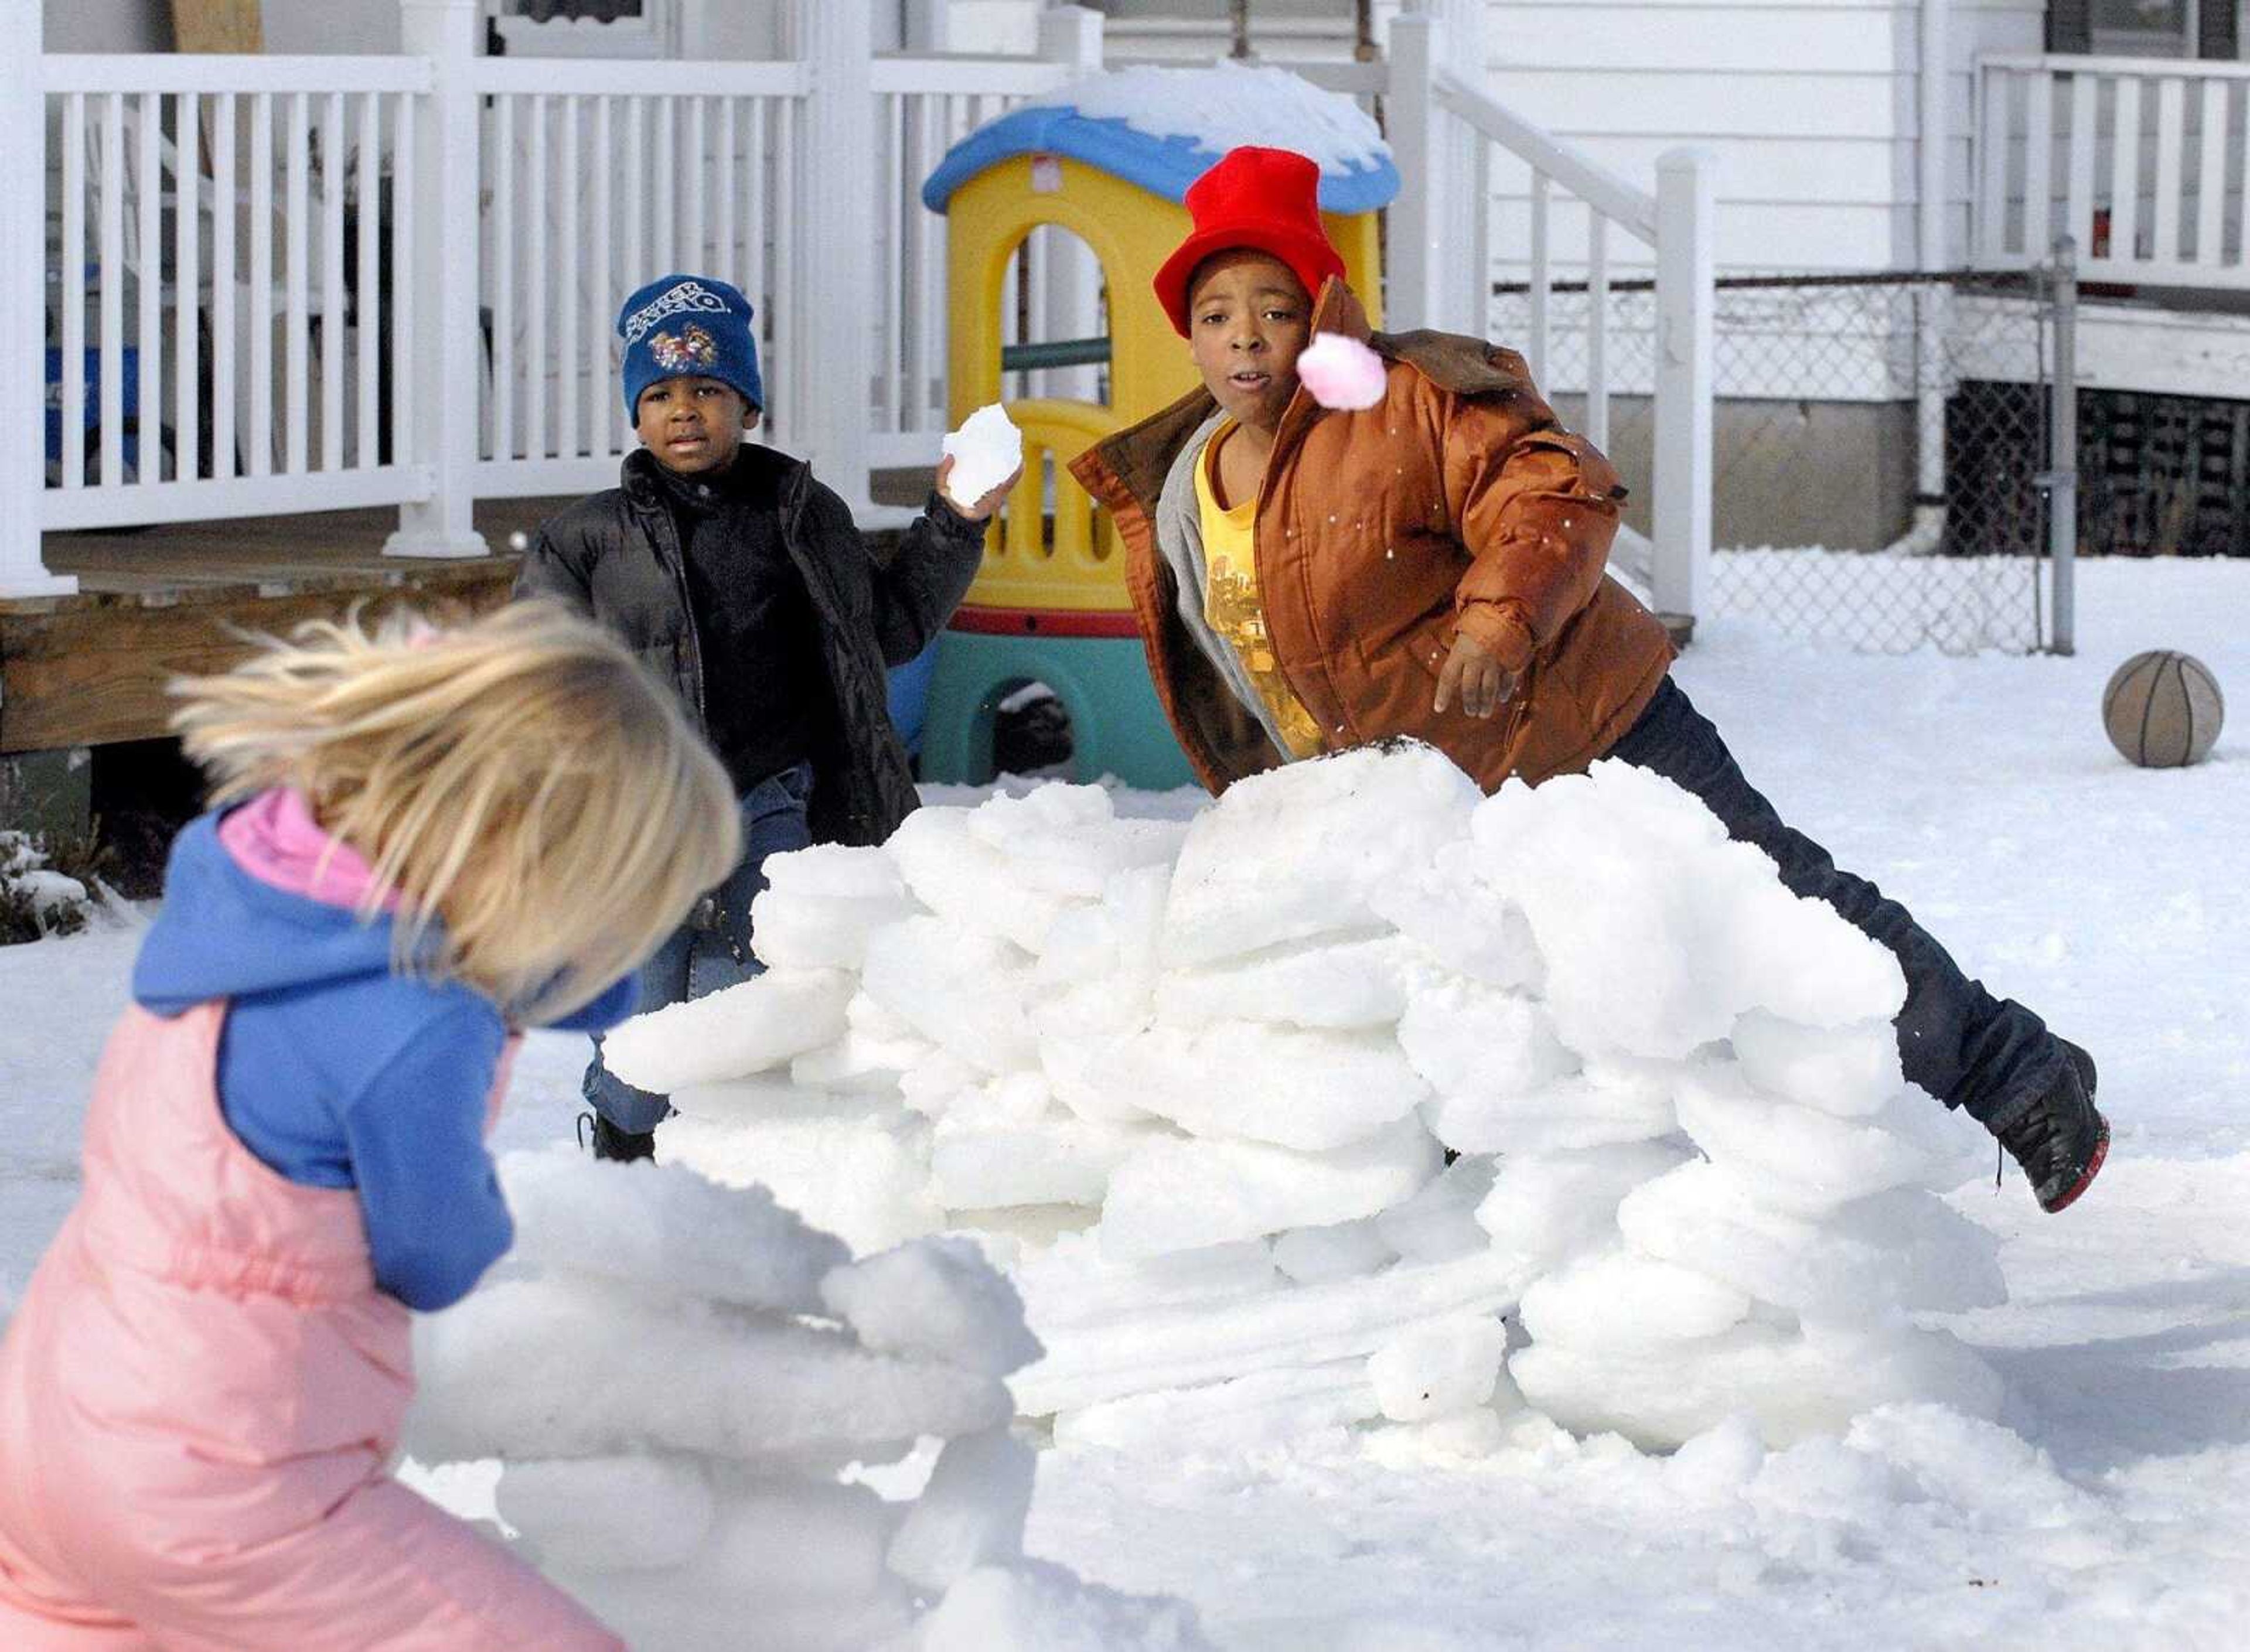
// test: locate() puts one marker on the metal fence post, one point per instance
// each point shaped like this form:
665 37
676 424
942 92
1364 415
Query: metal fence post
1685 322
439 358
1412 255
23 306
2062 453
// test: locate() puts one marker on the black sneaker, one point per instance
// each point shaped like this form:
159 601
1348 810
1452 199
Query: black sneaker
619 1147
2061 1138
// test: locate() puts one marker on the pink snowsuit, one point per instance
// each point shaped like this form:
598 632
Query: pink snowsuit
199 1395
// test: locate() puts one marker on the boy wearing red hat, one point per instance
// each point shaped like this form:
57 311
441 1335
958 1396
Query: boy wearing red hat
1432 566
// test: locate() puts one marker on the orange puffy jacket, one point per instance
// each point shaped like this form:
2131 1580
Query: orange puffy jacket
1455 504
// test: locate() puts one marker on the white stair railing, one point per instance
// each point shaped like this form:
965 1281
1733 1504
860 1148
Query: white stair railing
1436 275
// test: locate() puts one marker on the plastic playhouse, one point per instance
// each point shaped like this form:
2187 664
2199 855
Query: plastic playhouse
1050 604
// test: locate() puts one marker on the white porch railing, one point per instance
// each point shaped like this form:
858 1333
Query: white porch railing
2144 162
1437 274
305 283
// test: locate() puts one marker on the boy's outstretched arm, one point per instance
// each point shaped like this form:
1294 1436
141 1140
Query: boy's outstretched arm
938 558
1536 508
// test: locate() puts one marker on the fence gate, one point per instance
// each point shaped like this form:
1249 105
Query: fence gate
1885 472
1882 469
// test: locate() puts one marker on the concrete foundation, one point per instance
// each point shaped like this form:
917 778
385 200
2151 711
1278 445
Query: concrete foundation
1835 473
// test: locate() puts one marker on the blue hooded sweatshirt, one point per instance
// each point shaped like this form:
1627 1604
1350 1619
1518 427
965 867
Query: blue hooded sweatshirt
336 1072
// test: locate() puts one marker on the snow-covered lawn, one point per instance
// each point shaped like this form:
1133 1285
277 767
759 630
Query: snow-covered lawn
2113 1509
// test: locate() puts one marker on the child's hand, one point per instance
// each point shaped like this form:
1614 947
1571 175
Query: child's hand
983 509
1475 678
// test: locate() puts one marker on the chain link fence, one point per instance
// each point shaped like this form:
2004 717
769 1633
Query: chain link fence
1880 446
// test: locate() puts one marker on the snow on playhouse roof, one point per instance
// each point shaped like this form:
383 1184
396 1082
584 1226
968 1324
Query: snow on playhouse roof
1163 128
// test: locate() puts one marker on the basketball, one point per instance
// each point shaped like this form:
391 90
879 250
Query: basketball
2162 709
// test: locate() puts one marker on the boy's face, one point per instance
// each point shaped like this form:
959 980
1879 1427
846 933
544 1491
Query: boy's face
692 424
1249 318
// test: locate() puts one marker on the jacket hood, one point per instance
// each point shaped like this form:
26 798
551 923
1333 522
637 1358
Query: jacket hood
224 934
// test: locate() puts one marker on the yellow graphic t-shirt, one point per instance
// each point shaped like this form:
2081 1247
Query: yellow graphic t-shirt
1230 603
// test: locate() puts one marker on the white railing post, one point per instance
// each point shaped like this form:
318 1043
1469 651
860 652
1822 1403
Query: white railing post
1070 35
1462 184
1685 234
23 306
439 361
1412 255
833 287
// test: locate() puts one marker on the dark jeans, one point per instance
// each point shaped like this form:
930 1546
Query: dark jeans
712 949
1991 1057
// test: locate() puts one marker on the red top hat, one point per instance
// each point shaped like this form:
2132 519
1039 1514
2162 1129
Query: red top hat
1267 200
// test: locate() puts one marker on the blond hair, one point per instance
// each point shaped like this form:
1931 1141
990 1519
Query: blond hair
537 807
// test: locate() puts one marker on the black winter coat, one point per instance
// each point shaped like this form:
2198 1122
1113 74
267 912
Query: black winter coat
616 556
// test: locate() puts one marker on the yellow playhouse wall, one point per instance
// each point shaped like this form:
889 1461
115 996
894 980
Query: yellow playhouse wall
1130 233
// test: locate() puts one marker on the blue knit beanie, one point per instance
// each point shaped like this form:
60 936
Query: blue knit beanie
687 326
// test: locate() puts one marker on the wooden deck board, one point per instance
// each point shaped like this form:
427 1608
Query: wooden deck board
92 668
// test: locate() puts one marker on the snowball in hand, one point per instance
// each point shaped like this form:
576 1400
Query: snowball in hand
1341 372
986 451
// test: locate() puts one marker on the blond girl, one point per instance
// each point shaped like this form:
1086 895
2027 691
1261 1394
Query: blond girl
423 841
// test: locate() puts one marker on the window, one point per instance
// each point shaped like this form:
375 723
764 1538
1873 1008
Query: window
590 28
2145 28
576 11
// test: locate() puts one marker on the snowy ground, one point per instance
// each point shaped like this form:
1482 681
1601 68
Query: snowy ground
2116 1513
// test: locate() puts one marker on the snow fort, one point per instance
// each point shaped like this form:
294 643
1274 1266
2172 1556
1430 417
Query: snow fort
694 1396
1359 1099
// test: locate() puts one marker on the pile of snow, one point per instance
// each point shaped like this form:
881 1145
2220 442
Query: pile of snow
1199 1084
683 1383
1224 105
35 899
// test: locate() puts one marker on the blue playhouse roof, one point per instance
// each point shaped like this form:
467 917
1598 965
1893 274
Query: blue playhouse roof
1162 165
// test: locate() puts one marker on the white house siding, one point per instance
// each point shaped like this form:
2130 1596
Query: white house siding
106 25
1810 106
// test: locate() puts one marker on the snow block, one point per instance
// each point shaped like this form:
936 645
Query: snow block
1794 1387
1800 1159
935 1297
1618 1300
743 1030
1902 1250
1850 1071
1448 909
963 990
966 881
665 1231
1470 1039
1182 1193
1312 1089
1437 1370
1612 1103
1298 851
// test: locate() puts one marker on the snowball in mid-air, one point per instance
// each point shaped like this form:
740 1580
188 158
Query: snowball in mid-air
1341 372
986 451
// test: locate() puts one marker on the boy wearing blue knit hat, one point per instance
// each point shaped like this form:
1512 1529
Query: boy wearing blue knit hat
743 583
